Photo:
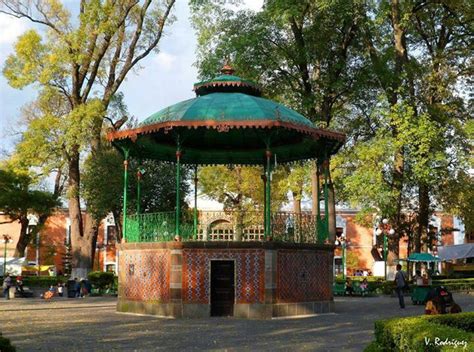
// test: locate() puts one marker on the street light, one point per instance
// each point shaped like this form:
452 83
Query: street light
344 243
385 228
6 239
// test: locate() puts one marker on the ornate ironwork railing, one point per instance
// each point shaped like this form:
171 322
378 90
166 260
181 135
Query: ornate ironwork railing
154 227
224 226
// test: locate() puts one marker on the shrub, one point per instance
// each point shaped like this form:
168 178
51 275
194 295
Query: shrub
374 347
101 280
43 281
5 345
463 321
456 284
422 333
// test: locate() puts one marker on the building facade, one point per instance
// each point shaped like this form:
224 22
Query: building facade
51 245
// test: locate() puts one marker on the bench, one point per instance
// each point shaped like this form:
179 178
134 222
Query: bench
359 290
338 289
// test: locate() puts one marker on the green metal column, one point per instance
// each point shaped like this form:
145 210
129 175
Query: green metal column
318 208
139 190
326 198
125 188
268 195
343 261
178 181
195 213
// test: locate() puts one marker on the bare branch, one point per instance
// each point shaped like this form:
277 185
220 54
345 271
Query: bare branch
130 61
16 9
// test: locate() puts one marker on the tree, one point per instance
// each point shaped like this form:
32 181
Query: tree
240 189
18 200
303 53
408 143
104 194
85 62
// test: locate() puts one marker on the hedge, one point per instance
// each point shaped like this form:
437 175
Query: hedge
424 333
463 321
101 280
377 284
456 284
43 281
5 345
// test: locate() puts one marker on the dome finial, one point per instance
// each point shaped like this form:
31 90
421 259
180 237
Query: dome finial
227 69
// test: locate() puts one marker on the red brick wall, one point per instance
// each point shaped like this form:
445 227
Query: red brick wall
145 275
249 274
304 276
361 239
447 223
12 229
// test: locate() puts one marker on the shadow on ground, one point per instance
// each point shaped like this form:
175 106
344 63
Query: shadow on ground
92 324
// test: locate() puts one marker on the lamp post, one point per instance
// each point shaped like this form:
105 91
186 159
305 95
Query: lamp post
385 228
6 239
344 243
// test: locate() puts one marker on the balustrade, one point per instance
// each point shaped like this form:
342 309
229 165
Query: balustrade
222 226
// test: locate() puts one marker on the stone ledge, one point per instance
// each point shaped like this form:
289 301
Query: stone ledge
242 311
225 245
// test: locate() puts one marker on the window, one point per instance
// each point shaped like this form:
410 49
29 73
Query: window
111 268
111 234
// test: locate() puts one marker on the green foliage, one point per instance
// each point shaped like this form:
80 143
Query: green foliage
78 65
43 281
17 198
239 187
411 334
352 259
291 48
101 280
456 284
374 347
103 194
463 321
5 345
363 175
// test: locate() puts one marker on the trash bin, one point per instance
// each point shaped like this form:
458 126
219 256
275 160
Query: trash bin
71 290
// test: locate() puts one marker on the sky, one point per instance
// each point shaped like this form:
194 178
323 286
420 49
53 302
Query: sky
165 78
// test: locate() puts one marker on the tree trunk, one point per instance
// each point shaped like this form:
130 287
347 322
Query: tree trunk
118 225
296 202
91 233
24 239
423 215
80 248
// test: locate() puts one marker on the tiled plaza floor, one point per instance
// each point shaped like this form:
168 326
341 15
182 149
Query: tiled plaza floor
92 324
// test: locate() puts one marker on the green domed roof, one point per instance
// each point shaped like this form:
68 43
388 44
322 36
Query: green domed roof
231 107
227 123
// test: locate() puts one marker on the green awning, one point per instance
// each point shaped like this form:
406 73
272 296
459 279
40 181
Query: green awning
422 257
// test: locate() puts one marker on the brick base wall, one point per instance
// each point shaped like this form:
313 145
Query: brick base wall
271 279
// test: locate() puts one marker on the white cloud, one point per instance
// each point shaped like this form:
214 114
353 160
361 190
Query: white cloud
165 60
10 29
255 5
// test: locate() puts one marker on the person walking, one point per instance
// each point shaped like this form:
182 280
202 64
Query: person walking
60 289
400 283
77 288
7 282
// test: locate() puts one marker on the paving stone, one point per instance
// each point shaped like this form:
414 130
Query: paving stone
92 324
